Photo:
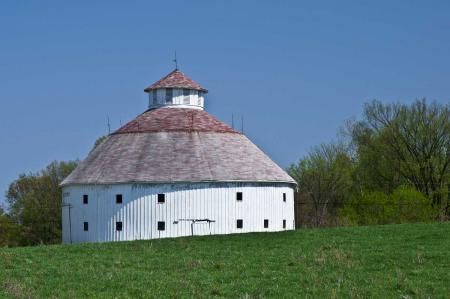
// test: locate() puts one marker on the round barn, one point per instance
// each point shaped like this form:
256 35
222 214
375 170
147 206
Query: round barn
174 171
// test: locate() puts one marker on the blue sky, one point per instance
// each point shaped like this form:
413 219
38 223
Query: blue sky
295 70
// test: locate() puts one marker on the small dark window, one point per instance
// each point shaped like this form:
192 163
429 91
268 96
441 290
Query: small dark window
284 197
118 198
169 93
266 223
119 226
239 223
86 226
284 223
85 199
161 225
161 198
239 196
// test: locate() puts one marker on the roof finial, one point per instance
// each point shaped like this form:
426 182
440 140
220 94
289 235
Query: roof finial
176 61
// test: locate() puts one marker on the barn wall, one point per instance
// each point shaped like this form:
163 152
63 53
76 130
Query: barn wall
140 211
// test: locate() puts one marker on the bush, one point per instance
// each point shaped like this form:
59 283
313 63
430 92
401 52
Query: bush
411 206
9 231
403 205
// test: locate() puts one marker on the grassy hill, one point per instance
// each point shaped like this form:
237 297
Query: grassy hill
392 261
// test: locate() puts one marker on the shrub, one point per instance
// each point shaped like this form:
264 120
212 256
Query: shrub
403 205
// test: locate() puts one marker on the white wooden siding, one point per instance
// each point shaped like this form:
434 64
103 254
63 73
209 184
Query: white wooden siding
195 101
140 211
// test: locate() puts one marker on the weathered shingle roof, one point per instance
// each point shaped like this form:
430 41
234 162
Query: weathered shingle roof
195 156
176 145
175 119
176 79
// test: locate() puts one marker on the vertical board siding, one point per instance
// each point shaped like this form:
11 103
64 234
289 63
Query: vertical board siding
140 211
194 100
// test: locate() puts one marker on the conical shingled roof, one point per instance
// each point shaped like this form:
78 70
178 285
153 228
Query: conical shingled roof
176 79
170 145
175 119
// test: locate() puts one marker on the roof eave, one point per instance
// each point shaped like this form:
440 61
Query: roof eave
179 182
150 88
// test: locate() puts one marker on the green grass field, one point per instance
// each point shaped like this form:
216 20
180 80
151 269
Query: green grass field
392 261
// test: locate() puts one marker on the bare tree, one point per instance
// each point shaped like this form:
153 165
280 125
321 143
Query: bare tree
324 178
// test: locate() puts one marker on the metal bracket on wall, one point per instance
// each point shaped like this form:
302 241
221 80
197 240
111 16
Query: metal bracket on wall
193 221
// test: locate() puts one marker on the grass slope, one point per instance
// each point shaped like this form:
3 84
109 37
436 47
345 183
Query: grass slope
392 261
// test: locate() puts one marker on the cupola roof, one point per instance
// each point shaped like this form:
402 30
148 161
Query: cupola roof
176 79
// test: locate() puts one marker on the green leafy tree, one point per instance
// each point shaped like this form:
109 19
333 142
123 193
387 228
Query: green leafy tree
35 203
9 231
400 145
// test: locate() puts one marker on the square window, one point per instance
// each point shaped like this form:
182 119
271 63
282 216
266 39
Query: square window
85 199
119 226
284 223
266 223
118 198
161 225
284 197
161 198
239 196
86 226
239 223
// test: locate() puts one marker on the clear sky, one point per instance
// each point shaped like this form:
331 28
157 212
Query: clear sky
295 70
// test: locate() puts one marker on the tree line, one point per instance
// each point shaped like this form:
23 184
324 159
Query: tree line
34 203
34 207
391 166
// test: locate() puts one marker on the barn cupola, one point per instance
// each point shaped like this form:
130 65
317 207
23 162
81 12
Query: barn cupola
176 90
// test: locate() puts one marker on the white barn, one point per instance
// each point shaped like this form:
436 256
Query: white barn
175 171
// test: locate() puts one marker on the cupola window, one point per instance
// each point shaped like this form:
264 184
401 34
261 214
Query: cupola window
186 96
200 98
118 198
85 199
169 95
155 97
196 99
161 198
